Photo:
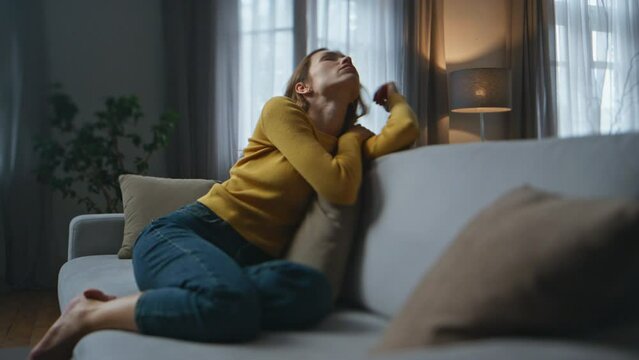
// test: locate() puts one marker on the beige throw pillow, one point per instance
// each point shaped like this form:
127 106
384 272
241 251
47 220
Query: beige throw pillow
324 238
146 198
530 264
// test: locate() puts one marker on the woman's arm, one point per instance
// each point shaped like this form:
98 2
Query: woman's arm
336 178
401 129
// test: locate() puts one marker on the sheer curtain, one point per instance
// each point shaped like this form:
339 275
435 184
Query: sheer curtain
266 59
597 45
370 31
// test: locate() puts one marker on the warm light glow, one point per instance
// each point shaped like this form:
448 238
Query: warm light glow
481 110
480 90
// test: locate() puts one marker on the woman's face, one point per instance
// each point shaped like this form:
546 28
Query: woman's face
333 72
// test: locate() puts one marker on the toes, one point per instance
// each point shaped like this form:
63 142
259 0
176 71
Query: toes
96 294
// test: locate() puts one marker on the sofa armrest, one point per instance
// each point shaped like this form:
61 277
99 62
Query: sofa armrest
95 234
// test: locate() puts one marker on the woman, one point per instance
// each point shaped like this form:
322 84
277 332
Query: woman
209 271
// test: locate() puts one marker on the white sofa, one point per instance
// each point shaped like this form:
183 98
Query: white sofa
415 202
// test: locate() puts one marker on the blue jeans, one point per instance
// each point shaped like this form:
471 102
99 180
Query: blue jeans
201 281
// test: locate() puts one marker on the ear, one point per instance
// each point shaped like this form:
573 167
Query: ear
303 89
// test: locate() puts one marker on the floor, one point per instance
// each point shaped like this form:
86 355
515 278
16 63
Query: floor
25 316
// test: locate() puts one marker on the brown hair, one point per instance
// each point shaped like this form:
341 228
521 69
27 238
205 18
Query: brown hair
300 74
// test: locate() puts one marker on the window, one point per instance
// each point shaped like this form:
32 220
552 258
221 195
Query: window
266 58
368 31
359 28
597 61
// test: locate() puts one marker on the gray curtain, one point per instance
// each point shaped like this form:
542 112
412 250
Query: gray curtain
534 107
201 41
424 74
26 255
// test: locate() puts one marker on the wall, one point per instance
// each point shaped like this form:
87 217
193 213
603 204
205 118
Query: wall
476 34
98 49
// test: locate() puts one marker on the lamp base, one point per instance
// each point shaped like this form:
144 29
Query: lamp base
481 126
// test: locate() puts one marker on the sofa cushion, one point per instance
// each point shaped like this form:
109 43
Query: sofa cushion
531 264
335 342
145 198
323 240
348 332
345 334
415 202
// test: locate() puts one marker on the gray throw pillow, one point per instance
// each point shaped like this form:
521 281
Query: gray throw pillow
531 264
145 198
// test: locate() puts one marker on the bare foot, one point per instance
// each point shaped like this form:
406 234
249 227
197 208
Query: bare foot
71 326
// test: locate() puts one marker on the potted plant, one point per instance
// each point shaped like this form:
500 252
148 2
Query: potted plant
91 153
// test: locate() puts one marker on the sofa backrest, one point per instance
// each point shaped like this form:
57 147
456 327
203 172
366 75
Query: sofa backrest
415 202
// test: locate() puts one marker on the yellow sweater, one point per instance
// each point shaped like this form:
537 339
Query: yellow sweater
288 159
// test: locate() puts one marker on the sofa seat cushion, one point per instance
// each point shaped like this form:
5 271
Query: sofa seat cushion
344 334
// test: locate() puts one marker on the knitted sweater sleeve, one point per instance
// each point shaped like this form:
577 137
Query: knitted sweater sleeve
400 131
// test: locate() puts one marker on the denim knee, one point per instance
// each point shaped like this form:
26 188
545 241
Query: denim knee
292 295
229 315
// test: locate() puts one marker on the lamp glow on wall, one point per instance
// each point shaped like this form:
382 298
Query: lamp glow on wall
480 90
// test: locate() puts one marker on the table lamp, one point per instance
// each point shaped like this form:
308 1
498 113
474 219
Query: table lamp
480 90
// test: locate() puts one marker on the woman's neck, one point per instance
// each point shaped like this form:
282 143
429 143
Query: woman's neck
328 114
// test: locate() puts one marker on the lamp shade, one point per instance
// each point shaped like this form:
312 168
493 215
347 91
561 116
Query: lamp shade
480 90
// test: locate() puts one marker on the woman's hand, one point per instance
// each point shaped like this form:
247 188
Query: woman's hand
383 94
361 131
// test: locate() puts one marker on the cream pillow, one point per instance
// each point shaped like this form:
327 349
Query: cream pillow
531 264
145 198
324 238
